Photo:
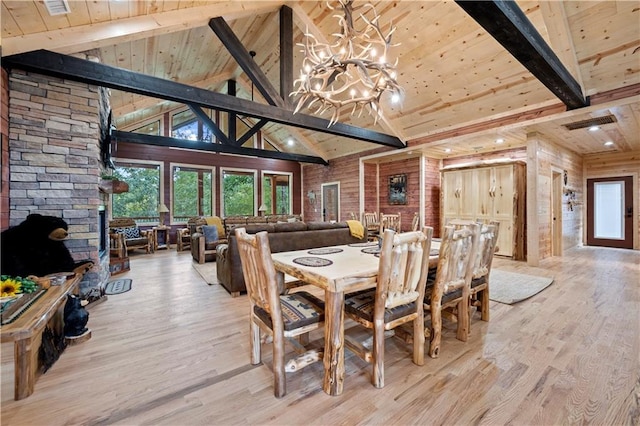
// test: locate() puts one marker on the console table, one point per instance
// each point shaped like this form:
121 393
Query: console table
26 333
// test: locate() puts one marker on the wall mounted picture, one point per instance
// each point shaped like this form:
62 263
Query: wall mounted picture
398 189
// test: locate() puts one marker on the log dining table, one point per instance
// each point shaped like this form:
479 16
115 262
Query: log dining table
337 270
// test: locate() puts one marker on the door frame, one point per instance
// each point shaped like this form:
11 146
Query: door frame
636 202
322 186
556 211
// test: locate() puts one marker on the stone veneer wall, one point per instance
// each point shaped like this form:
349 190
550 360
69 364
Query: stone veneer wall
55 162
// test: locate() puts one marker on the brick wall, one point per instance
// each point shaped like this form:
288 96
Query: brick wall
55 159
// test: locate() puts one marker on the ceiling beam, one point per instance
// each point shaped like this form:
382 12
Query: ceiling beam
139 138
102 34
252 131
63 66
506 23
246 62
286 55
211 125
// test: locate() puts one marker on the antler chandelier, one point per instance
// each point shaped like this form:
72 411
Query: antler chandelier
351 72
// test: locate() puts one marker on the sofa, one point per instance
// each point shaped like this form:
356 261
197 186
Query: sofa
231 222
285 236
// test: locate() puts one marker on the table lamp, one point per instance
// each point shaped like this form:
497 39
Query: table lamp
163 210
262 209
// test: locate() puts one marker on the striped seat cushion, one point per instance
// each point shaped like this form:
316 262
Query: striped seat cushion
361 304
298 310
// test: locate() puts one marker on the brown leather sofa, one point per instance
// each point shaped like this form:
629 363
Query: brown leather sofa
282 237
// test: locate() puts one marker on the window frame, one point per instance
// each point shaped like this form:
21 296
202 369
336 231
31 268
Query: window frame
263 173
254 172
160 165
212 169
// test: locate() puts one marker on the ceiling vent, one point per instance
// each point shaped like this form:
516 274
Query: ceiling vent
598 121
57 7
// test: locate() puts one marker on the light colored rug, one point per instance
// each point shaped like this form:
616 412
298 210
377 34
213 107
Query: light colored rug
207 271
512 287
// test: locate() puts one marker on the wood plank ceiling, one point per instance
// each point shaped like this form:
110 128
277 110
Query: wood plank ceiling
457 78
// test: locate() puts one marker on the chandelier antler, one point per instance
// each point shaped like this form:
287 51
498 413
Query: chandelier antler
353 71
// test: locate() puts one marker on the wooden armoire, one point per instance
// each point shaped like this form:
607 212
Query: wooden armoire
489 192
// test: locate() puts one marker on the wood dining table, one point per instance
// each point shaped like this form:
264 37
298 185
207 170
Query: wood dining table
337 270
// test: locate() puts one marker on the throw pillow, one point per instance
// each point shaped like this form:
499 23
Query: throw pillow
132 232
210 233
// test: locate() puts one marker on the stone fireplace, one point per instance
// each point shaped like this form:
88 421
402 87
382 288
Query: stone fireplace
55 162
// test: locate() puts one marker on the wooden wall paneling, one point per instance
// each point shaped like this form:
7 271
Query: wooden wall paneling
516 154
411 168
533 242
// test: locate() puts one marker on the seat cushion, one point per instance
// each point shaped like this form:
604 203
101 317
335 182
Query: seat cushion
140 241
298 310
456 294
478 281
362 304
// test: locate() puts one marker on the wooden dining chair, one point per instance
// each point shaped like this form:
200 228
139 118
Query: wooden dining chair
482 268
370 221
488 239
390 221
452 285
283 316
415 222
396 300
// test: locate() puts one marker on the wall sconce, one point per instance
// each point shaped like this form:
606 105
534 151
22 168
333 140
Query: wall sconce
311 196
163 210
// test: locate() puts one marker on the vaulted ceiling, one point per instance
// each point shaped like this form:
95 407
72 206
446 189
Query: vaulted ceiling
463 89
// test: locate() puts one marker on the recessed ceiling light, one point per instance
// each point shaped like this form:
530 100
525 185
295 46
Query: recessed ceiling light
608 143
447 150
499 140
290 142
594 128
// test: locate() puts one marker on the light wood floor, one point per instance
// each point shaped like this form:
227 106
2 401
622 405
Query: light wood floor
175 351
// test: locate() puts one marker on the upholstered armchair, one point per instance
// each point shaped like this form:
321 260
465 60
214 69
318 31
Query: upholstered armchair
206 239
130 235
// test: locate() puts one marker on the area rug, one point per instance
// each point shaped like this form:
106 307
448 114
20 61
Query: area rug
121 285
512 287
207 271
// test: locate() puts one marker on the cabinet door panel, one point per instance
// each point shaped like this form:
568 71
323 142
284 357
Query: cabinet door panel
503 192
505 238
451 189
483 201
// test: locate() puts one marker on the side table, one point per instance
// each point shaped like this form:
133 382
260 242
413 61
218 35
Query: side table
161 238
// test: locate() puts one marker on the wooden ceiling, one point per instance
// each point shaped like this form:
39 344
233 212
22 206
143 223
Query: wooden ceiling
463 89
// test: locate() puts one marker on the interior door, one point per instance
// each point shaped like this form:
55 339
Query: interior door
331 201
556 214
610 212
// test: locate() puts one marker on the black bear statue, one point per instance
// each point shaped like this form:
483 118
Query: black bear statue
36 247
75 317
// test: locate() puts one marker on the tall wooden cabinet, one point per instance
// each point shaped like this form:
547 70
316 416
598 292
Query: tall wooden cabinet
489 192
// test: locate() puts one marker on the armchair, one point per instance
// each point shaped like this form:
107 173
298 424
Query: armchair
183 235
130 235
206 239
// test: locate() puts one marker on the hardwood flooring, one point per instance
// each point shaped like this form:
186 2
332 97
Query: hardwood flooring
175 351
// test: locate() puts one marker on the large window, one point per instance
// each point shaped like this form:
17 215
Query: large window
276 192
192 191
141 202
238 192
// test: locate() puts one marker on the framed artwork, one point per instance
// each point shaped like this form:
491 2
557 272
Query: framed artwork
398 189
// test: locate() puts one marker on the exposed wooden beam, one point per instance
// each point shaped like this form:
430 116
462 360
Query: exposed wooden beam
231 117
506 22
252 131
246 62
211 125
119 136
286 55
92 36
63 66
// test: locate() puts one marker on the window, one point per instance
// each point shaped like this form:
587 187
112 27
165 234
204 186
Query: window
141 202
152 128
238 192
192 191
276 192
185 125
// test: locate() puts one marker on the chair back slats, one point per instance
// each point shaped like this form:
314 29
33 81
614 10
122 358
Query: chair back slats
390 221
487 247
370 221
457 254
259 272
415 222
404 261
